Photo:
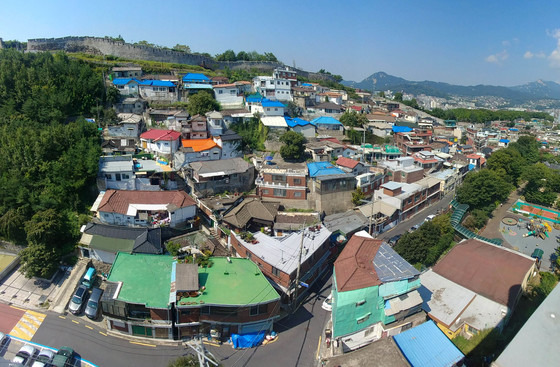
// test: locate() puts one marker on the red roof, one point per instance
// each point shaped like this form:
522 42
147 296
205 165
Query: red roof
357 108
354 267
156 134
474 156
199 145
491 271
346 162
118 201
334 140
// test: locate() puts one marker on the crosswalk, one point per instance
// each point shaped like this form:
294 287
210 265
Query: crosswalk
28 325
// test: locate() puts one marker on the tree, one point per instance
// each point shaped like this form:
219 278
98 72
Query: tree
293 148
381 94
528 147
398 97
358 196
483 189
353 119
182 48
508 163
39 260
228 55
202 102
46 227
293 110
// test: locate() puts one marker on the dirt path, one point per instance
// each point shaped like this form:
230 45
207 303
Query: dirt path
492 229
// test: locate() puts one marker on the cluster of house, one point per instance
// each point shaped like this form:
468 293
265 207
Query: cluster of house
165 182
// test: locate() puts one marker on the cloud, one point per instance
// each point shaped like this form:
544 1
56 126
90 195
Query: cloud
506 43
538 55
497 58
554 57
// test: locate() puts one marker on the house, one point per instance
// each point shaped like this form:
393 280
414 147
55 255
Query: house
328 123
384 153
127 71
332 97
369 182
427 161
228 299
536 343
450 179
251 214
303 96
232 95
477 284
147 208
196 78
161 142
324 150
118 146
282 183
196 128
304 127
476 161
278 258
230 143
413 141
139 303
102 242
344 225
328 108
374 293
273 88
290 222
351 166
127 86
286 73
330 188
158 90
269 108
426 345
195 150
128 126
219 176
131 105
215 123
403 169
116 172
194 83
275 123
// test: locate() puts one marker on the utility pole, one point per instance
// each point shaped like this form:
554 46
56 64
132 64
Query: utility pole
299 266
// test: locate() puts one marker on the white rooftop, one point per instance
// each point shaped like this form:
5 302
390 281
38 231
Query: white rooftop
274 121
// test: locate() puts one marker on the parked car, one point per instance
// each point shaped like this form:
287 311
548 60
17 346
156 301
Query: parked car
44 358
429 218
414 227
25 355
63 357
89 277
327 303
78 300
393 240
92 308
3 339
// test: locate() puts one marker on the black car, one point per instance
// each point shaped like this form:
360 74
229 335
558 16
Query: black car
393 240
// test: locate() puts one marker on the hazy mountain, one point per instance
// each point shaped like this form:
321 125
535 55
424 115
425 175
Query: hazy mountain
530 91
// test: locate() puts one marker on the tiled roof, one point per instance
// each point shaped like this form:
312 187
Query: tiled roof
199 145
347 162
491 271
137 240
156 134
354 267
249 209
225 166
118 201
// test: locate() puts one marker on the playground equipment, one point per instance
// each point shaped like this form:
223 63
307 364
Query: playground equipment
537 228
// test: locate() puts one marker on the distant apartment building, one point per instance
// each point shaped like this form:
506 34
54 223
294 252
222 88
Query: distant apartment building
403 170
282 183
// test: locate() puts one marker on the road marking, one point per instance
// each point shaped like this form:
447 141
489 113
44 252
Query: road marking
62 317
102 333
89 327
144 344
318 347
75 322
18 308
213 344
28 325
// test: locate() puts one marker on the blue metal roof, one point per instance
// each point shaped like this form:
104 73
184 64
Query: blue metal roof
513 129
124 81
307 84
254 98
293 122
504 141
197 86
196 77
425 345
269 103
401 129
326 120
323 169
157 83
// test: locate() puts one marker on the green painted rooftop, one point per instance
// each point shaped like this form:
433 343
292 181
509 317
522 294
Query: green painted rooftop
111 244
239 282
146 278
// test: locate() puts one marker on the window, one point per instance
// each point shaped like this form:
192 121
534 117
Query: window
220 91
275 271
280 178
297 194
297 181
279 192
125 176
205 310
248 254
117 176
363 318
359 303
258 310
108 176
265 191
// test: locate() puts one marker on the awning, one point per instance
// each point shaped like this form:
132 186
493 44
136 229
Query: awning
403 302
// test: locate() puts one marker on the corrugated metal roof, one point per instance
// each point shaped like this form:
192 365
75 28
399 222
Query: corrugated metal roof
425 346
326 120
196 77
157 83
390 266
269 103
124 81
322 169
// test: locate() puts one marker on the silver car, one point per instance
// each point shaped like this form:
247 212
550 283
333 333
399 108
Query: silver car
44 358
78 300
25 355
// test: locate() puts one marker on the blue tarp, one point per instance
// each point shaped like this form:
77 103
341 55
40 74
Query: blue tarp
248 340
401 129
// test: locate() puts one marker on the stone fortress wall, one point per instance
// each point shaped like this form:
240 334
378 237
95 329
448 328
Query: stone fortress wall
105 46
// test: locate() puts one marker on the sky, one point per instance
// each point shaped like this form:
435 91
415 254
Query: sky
497 42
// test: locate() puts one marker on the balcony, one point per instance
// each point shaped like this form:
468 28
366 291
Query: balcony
278 185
